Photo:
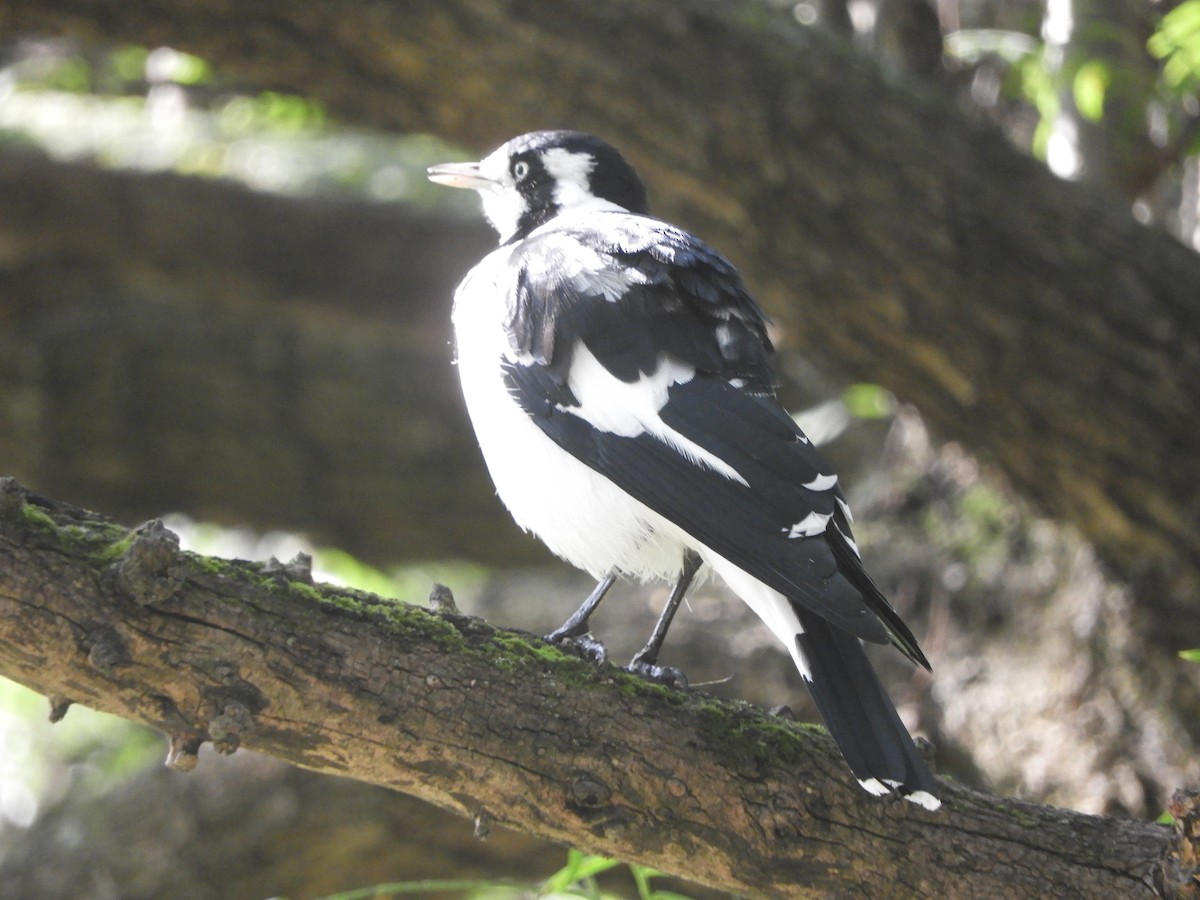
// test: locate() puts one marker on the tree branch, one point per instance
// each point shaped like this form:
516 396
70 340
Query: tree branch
498 726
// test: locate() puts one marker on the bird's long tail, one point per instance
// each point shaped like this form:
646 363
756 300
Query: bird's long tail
860 715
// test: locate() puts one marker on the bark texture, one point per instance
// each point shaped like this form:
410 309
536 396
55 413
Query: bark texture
496 726
892 238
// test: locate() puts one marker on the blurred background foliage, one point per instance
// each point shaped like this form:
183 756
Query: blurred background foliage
1037 70
1102 92
155 109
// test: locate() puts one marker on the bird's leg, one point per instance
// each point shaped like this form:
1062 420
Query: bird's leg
645 661
575 628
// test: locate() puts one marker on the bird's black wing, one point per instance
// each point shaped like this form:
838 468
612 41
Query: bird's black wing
639 294
632 288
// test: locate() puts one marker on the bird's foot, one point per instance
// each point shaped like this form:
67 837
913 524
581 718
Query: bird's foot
569 630
582 645
651 671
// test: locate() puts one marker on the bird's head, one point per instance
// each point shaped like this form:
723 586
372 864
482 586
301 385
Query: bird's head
535 177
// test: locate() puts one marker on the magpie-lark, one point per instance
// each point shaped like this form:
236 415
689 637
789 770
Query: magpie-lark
619 378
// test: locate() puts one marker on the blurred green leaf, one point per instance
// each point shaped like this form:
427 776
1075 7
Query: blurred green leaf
73 74
168 64
641 877
1038 86
1177 43
291 112
580 867
129 62
281 113
1190 655
868 401
192 70
354 573
1090 86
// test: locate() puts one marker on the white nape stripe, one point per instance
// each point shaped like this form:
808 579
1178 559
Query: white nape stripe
812 524
630 409
821 483
570 171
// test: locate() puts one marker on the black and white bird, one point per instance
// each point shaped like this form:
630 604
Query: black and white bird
619 379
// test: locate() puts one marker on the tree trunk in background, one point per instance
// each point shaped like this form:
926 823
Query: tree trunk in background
174 343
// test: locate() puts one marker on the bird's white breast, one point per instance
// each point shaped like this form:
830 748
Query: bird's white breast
580 515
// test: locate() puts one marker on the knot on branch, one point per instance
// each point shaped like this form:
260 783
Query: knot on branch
482 825
12 498
226 728
106 649
588 793
441 599
58 707
184 751
183 737
147 572
234 705
1177 875
298 568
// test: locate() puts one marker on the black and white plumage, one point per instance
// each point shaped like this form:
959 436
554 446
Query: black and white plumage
618 375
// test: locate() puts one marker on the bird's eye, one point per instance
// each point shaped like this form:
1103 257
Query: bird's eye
520 169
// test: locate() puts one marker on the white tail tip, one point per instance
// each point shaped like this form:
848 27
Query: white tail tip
878 788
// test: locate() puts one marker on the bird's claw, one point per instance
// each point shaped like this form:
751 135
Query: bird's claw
582 645
668 675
